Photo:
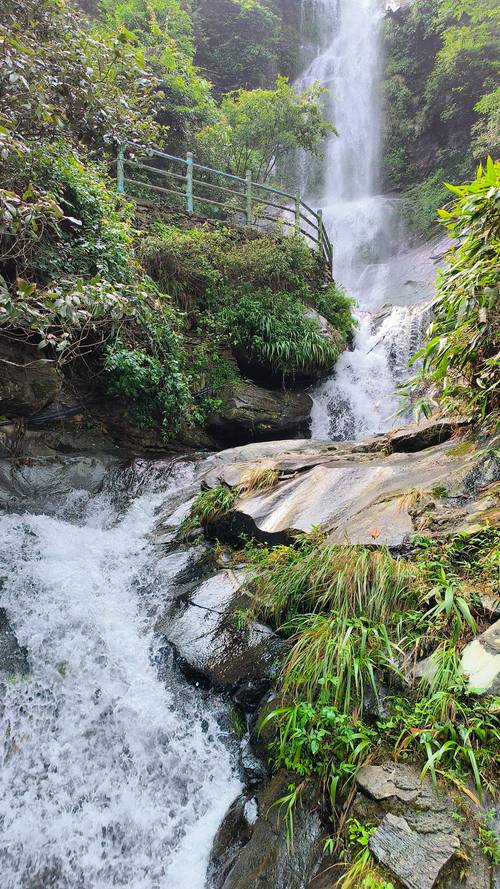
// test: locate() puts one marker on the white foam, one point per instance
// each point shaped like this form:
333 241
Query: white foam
109 777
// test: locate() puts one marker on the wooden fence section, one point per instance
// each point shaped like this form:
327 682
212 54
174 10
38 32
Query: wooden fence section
220 195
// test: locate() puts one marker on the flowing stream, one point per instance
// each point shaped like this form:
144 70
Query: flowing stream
372 258
114 771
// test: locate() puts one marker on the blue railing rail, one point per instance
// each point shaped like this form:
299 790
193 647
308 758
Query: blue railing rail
237 200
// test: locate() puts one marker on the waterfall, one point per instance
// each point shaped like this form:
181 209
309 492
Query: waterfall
372 261
114 771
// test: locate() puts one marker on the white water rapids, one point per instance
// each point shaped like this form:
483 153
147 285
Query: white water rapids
114 771
371 259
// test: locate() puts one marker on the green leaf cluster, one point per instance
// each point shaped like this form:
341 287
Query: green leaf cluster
460 358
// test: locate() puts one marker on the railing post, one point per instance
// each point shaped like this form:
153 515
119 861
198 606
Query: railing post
120 169
189 182
320 230
248 192
297 214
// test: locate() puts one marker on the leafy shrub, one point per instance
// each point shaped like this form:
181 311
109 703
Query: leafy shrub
460 353
186 264
97 238
56 73
68 318
320 740
157 387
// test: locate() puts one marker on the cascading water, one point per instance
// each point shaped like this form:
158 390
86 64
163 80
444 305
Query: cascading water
371 260
114 771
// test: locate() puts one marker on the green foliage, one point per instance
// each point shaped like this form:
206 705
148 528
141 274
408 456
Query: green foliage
258 130
56 73
422 201
208 506
357 616
490 844
335 659
450 729
348 581
162 33
320 740
68 318
460 354
238 42
266 317
152 376
273 330
441 95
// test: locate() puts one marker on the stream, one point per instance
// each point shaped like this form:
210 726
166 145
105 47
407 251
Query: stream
114 770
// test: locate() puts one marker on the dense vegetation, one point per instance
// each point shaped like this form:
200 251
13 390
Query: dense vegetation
460 360
442 101
358 620
155 317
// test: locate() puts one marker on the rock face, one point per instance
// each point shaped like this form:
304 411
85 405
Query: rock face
265 861
417 837
27 386
28 383
481 661
250 413
357 492
419 436
414 859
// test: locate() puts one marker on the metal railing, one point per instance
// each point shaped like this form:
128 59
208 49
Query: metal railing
140 171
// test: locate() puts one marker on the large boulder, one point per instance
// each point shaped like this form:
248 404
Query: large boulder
211 643
360 492
481 661
251 413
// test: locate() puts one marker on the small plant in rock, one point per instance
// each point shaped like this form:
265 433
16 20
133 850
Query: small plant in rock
488 838
258 478
209 505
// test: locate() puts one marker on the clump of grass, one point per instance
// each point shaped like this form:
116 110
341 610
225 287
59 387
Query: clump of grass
334 659
208 506
348 580
320 740
258 478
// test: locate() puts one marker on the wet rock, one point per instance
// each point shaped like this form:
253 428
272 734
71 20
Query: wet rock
425 669
393 780
42 482
249 413
420 436
28 383
13 657
234 832
481 661
254 767
357 493
414 858
210 646
266 861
